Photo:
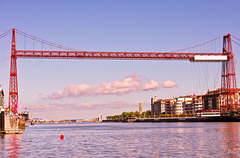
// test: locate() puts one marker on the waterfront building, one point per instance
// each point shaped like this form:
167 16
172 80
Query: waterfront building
154 99
167 106
188 107
161 106
155 107
197 102
214 99
178 106
193 105
183 104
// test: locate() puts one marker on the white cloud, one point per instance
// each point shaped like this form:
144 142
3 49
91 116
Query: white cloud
169 84
150 85
130 84
78 90
56 95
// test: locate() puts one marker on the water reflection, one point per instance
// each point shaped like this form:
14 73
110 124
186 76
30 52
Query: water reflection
125 140
231 138
195 140
10 145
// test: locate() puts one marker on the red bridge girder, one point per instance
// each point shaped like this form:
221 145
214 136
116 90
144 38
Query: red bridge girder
109 55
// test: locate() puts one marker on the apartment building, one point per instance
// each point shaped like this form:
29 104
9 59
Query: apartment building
161 106
197 102
180 103
214 100
183 104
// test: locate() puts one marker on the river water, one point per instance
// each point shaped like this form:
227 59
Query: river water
124 140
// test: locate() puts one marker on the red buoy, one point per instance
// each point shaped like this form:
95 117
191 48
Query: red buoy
61 136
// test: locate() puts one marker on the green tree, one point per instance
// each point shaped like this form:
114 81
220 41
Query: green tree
137 114
124 114
175 115
182 115
148 113
143 114
131 114
192 114
168 115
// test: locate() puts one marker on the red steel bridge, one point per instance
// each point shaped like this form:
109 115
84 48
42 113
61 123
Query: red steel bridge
228 76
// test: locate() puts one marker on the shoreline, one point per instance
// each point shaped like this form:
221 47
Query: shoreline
180 119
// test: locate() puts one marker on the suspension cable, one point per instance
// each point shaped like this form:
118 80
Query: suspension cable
196 45
5 34
44 41
236 37
236 43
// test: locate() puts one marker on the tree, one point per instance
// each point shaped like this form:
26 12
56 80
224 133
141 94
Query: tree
175 115
148 113
192 114
167 115
143 114
124 114
137 114
182 115
131 114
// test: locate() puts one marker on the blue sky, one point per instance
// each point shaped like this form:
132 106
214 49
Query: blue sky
98 25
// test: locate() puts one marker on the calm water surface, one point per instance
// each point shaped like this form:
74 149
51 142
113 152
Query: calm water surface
125 140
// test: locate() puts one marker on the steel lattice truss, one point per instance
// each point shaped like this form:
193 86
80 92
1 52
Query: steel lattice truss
109 55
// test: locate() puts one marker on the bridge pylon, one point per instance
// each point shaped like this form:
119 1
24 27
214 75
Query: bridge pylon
229 89
13 84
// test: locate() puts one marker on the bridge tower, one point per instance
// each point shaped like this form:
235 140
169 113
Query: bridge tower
229 85
13 85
